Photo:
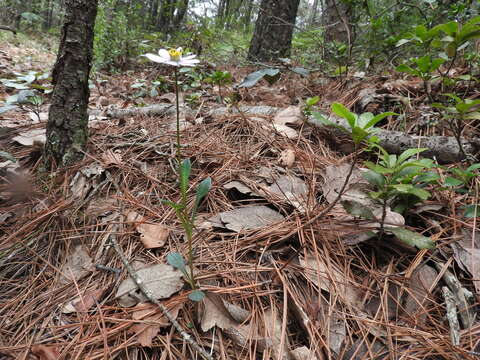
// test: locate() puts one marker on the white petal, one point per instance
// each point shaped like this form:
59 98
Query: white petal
155 58
188 57
191 62
164 54
179 49
173 63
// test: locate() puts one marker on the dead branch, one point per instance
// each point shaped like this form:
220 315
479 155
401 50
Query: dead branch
444 148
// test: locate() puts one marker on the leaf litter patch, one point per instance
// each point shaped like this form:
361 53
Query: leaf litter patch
321 293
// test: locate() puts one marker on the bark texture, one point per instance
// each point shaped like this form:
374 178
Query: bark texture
335 18
272 37
67 127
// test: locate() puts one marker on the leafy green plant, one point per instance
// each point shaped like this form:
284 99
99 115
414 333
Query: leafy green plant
420 36
457 115
309 104
307 45
191 78
396 178
28 81
461 177
144 88
271 75
423 67
399 182
457 36
360 127
220 78
187 220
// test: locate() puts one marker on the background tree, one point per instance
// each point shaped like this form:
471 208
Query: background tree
335 18
272 37
67 127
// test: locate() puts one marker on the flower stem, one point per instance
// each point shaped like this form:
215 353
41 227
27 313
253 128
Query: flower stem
178 117
189 234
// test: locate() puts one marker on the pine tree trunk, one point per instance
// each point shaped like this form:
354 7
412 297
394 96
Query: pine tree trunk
272 38
182 7
335 19
67 127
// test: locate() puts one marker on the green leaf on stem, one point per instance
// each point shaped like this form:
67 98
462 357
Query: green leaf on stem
343 112
412 238
202 190
176 260
196 295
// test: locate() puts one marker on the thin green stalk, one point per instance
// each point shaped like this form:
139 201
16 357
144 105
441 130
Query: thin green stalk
178 117
188 233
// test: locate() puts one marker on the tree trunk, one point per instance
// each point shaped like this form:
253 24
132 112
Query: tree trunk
67 127
220 17
272 37
182 7
335 19
153 11
165 18
313 15
248 14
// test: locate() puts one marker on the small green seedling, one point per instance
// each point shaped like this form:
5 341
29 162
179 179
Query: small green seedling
399 181
457 116
309 104
361 127
395 178
424 68
460 178
220 78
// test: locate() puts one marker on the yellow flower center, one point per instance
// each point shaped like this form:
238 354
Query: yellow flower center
175 55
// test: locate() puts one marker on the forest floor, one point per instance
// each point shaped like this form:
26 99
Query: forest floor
284 279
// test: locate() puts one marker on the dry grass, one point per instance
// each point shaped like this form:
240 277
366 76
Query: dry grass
256 270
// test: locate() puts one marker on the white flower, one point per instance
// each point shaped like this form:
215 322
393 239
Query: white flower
173 57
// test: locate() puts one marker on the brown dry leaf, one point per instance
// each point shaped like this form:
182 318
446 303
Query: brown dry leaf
330 325
28 138
239 186
246 218
419 296
45 352
287 158
151 235
161 280
104 208
292 189
78 264
85 179
215 313
273 329
289 115
467 255
112 158
286 131
169 97
329 278
35 119
153 320
228 317
365 348
303 353
83 304
357 191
